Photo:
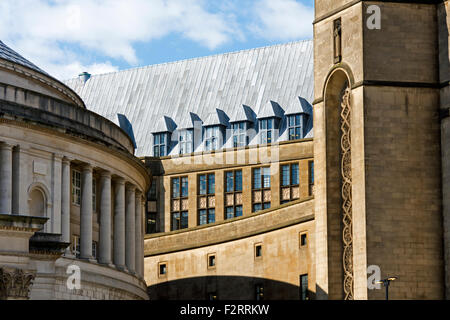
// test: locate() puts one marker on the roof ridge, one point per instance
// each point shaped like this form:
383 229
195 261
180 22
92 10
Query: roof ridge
200 58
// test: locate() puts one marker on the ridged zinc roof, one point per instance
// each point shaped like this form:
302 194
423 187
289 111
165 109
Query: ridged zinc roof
9 54
280 73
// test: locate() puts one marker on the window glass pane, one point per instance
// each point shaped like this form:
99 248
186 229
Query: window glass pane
184 187
175 221
175 188
156 139
311 172
291 134
295 174
269 137
269 123
211 184
211 215
266 177
184 220
238 211
291 121
266 205
229 182
188 147
263 124
156 151
257 178
285 175
297 133
202 184
238 183
202 216
229 213
162 138
162 151
257 207
297 120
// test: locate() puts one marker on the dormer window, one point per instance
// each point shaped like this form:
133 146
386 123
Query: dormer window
185 141
239 130
295 126
212 138
266 130
160 144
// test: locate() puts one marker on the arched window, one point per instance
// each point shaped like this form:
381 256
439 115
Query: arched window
37 203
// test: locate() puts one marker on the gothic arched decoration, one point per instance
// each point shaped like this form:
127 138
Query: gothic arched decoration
346 192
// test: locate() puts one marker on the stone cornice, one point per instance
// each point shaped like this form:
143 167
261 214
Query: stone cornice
21 223
43 79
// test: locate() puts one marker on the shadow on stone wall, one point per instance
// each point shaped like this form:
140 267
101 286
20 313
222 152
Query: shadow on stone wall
225 288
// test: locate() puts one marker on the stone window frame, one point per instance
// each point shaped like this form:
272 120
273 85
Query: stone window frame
291 186
76 187
208 196
262 189
208 260
255 251
179 198
160 264
236 195
303 234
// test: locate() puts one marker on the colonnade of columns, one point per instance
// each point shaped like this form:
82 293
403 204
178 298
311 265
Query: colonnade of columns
126 238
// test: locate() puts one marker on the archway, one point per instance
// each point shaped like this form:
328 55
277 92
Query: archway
338 111
37 203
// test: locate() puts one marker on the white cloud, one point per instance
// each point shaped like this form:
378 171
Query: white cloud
57 34
282 20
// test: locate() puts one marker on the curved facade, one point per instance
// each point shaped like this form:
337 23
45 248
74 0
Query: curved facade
72 193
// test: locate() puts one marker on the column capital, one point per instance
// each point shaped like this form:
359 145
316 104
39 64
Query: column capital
87 167
130 187
138 193
105 174
119 180
6 146
66 160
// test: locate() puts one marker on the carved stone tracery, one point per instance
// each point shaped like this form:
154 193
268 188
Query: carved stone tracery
346 193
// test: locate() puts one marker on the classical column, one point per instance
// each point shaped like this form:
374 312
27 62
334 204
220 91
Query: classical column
119 224
5 178
105 218
86 213
138 233
130 252
65 202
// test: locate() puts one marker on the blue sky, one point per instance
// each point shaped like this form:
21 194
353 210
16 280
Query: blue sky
66 37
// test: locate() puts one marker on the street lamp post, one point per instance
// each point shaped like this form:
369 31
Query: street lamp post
386 282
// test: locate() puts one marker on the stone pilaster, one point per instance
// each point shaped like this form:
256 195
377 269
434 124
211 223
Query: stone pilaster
5 178
130 252
105 218
86 213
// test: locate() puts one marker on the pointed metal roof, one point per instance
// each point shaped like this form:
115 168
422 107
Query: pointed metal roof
298 105
200 85
271 109
217 118
9 54
244 113
164 124
188 121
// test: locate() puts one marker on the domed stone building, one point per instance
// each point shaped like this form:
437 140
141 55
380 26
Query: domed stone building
71 193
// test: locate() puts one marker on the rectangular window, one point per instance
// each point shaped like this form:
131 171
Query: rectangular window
152 209
185 141
239 130
162 269
303 239
233 196
76 187
304 294
261 189
259 291
295 127
266 127
94 195
76 246
258 251
179 203
159 145
94 249
311 177
151 222
290 180
211 261
212 138
206 198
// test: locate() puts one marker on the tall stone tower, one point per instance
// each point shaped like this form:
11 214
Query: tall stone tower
381 81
